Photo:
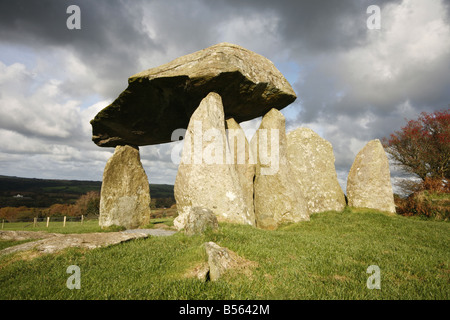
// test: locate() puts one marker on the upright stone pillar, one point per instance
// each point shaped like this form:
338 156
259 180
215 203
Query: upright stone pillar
311 159
277 195
369 179
240 153
125 193
204 177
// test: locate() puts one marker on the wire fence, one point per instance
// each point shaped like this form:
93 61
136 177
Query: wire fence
44 221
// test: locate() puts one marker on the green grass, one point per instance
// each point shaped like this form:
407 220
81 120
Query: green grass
9 243
56 226
325 258
153 222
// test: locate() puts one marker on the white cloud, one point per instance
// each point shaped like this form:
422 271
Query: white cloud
40 111
353 84
401 60
354 95
14 142
42 131
249 29
46 134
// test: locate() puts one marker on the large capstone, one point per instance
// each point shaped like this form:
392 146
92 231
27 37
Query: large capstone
204 177
160 100
369 179
125 193
311 161
278 197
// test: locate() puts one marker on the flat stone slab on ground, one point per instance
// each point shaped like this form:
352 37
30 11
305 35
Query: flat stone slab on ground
55 242
25 235
152 232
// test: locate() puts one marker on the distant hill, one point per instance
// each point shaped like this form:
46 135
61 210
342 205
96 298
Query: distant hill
45 192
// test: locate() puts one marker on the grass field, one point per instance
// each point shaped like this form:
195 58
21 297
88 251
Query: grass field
55 226
325 258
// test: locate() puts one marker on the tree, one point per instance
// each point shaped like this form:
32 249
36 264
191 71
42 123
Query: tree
422 147
164 202
9 213
58 209
88 204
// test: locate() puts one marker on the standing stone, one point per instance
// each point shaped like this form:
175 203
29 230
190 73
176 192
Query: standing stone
277 195
240 153
204 179
125 193
369 180
311 160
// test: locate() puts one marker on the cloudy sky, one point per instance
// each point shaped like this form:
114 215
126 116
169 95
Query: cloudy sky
353 83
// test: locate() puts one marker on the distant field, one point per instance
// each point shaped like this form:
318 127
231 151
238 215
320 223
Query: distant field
325 258
55 226
73 226
69 189
45 192
17 184
25 185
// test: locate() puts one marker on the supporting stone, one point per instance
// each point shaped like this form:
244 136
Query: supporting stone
369 179
277 195
311 160
125 193
240 157
204 178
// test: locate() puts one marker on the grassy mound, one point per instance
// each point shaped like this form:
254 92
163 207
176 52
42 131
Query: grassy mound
325 258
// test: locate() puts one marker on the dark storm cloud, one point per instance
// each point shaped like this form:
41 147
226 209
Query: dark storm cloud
113 36
332 60
312 26
112 30
402 63
104 24
109 42
313 33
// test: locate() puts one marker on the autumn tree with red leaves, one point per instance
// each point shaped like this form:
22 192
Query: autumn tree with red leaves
422 147
87 204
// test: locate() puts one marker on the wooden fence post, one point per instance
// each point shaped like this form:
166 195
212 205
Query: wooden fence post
35 222
3 222
64 223
48 220
82 218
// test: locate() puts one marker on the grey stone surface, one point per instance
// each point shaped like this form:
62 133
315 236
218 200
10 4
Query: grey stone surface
204 178
199 220
369 179
152 232
160 100
125 193
57 242
311 160
277 195
245 168
219 260
25 235
222 260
